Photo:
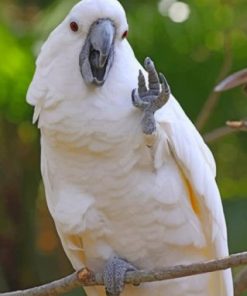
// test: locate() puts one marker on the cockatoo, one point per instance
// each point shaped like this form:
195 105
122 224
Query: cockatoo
129 181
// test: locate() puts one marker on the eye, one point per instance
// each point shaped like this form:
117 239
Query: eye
125 34
74 26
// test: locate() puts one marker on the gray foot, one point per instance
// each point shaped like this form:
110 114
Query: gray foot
114 273
150 99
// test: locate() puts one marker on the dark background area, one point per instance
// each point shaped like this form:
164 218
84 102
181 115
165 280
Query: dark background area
194 43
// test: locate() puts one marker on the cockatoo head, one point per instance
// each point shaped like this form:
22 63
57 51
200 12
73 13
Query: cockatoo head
95 27
86 51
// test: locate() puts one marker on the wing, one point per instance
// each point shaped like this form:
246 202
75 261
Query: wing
197 165
72 244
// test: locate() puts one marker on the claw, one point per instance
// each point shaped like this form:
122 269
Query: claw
164 85
165 92
114 274
147 63
153 78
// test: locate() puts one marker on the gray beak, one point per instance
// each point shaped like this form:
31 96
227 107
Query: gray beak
97 54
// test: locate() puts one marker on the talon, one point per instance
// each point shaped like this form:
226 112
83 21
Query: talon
114 274
134 98
153 78
164 85
150 99
148 63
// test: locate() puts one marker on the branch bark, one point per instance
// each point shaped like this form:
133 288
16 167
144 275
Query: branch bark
238 125
218 134
86 277
221 132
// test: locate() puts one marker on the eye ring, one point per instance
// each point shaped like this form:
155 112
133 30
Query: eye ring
125 34
74 26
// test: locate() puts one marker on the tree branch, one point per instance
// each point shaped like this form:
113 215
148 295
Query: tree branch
213 98
218 133
85 277
55 288
230 128
238 125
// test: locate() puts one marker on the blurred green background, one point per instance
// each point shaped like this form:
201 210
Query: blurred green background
195 43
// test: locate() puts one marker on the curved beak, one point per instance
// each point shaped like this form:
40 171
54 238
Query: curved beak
97 53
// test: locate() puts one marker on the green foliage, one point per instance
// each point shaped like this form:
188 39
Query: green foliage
190 54
15 71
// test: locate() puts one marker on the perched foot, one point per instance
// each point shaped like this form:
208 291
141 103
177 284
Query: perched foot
150 99
114 273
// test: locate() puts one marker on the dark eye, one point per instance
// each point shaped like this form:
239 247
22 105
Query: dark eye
74 26
125 34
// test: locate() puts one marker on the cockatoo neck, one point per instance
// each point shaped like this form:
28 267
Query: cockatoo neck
105 111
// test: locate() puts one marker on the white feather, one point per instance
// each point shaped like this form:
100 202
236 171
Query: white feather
107 192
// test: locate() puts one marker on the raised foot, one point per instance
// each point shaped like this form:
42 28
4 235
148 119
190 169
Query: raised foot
150 99
114 273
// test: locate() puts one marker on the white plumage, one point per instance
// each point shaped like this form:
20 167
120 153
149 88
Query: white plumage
107 192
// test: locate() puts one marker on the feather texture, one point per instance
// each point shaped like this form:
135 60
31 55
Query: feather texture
109 194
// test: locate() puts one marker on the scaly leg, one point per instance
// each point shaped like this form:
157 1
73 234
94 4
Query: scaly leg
114 273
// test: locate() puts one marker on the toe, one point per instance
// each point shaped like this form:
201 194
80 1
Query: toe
114 274
153 78
165 88
142 89
137 101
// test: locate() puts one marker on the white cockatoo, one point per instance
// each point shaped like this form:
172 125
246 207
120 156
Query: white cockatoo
129 181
